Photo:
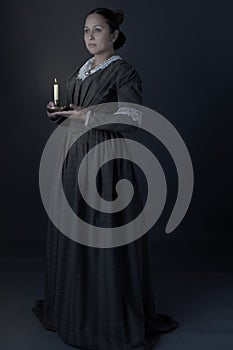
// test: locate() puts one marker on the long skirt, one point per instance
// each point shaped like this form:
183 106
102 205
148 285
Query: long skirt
100 298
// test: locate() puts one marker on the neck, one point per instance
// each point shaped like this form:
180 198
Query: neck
102 57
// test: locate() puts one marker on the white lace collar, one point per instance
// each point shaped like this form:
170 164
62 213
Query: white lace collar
85 70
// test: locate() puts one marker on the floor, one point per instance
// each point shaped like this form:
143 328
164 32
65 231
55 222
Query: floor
193 285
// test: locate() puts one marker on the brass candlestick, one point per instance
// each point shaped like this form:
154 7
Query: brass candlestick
57 107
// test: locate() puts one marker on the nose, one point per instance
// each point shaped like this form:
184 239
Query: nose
91 35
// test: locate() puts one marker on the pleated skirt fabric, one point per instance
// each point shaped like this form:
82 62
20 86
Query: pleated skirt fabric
100 298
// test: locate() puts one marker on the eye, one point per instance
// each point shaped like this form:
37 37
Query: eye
97 30
86 30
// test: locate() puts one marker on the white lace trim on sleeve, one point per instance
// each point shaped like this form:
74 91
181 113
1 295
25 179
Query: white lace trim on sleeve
135 114
87 117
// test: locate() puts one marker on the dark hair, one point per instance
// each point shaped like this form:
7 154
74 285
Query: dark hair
114 20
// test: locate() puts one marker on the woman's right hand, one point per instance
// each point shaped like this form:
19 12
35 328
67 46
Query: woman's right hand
49 105
74 110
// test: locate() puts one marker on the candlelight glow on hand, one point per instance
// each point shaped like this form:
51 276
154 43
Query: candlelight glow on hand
56 92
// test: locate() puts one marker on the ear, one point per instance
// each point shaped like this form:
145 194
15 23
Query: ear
115 35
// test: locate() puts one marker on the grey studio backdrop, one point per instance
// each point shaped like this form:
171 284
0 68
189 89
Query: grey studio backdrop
182 50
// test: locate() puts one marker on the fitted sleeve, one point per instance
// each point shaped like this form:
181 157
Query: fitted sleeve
129 86
129 91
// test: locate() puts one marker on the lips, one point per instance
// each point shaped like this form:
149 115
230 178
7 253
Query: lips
91 44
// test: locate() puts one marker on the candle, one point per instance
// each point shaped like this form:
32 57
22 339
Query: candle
56 92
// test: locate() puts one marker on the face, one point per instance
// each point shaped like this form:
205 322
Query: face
97 35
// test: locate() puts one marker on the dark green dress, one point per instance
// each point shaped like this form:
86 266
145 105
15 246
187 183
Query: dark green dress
97 298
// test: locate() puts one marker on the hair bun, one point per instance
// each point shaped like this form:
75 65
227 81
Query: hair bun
120 16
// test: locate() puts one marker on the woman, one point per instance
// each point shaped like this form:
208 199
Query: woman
98 298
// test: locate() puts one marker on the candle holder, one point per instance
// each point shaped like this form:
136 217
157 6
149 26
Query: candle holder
57 108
